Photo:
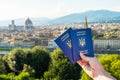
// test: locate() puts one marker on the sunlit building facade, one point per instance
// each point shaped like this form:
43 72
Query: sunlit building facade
106 45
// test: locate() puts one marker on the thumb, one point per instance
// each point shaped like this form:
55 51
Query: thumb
84 57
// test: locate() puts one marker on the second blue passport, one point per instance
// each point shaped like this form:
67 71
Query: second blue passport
64 42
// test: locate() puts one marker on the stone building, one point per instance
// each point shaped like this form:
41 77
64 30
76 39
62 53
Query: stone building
28 24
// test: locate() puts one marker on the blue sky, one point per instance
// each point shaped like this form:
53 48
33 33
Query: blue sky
13 9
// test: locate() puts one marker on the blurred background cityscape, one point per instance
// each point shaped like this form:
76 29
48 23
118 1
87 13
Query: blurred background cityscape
105 29
26 24
28 29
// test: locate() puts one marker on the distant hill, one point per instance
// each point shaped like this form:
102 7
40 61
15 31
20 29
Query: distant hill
92 16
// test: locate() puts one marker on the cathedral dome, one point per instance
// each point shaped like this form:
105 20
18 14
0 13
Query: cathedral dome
28 21
28 24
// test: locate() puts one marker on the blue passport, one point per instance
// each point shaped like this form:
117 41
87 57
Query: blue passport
64 43
72 42
81 42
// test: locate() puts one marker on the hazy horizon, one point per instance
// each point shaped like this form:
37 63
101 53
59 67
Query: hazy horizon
49 17
14 9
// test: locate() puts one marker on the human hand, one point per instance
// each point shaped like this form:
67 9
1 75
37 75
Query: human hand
93 68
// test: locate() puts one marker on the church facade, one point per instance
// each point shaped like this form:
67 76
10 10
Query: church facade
28 25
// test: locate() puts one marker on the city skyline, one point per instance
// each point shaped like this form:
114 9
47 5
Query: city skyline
13 9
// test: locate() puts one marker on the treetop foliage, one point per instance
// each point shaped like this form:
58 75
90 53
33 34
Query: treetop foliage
39 64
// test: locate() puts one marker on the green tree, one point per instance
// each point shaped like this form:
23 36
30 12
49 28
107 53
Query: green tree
4 77
85 76
2 66
34 61
29 69
40 61
7 68
28 56
61 68
16 60
111 63
23 76
9 76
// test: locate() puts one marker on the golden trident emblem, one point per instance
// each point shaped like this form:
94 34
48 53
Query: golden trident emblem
82 42
69 44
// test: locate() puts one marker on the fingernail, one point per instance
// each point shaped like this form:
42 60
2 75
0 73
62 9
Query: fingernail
81 53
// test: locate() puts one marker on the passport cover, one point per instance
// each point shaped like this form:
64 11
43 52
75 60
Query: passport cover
81 42
64 42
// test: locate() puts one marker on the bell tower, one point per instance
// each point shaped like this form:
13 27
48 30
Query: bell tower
85 23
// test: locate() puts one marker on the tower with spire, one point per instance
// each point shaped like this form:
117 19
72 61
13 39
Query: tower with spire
85 23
